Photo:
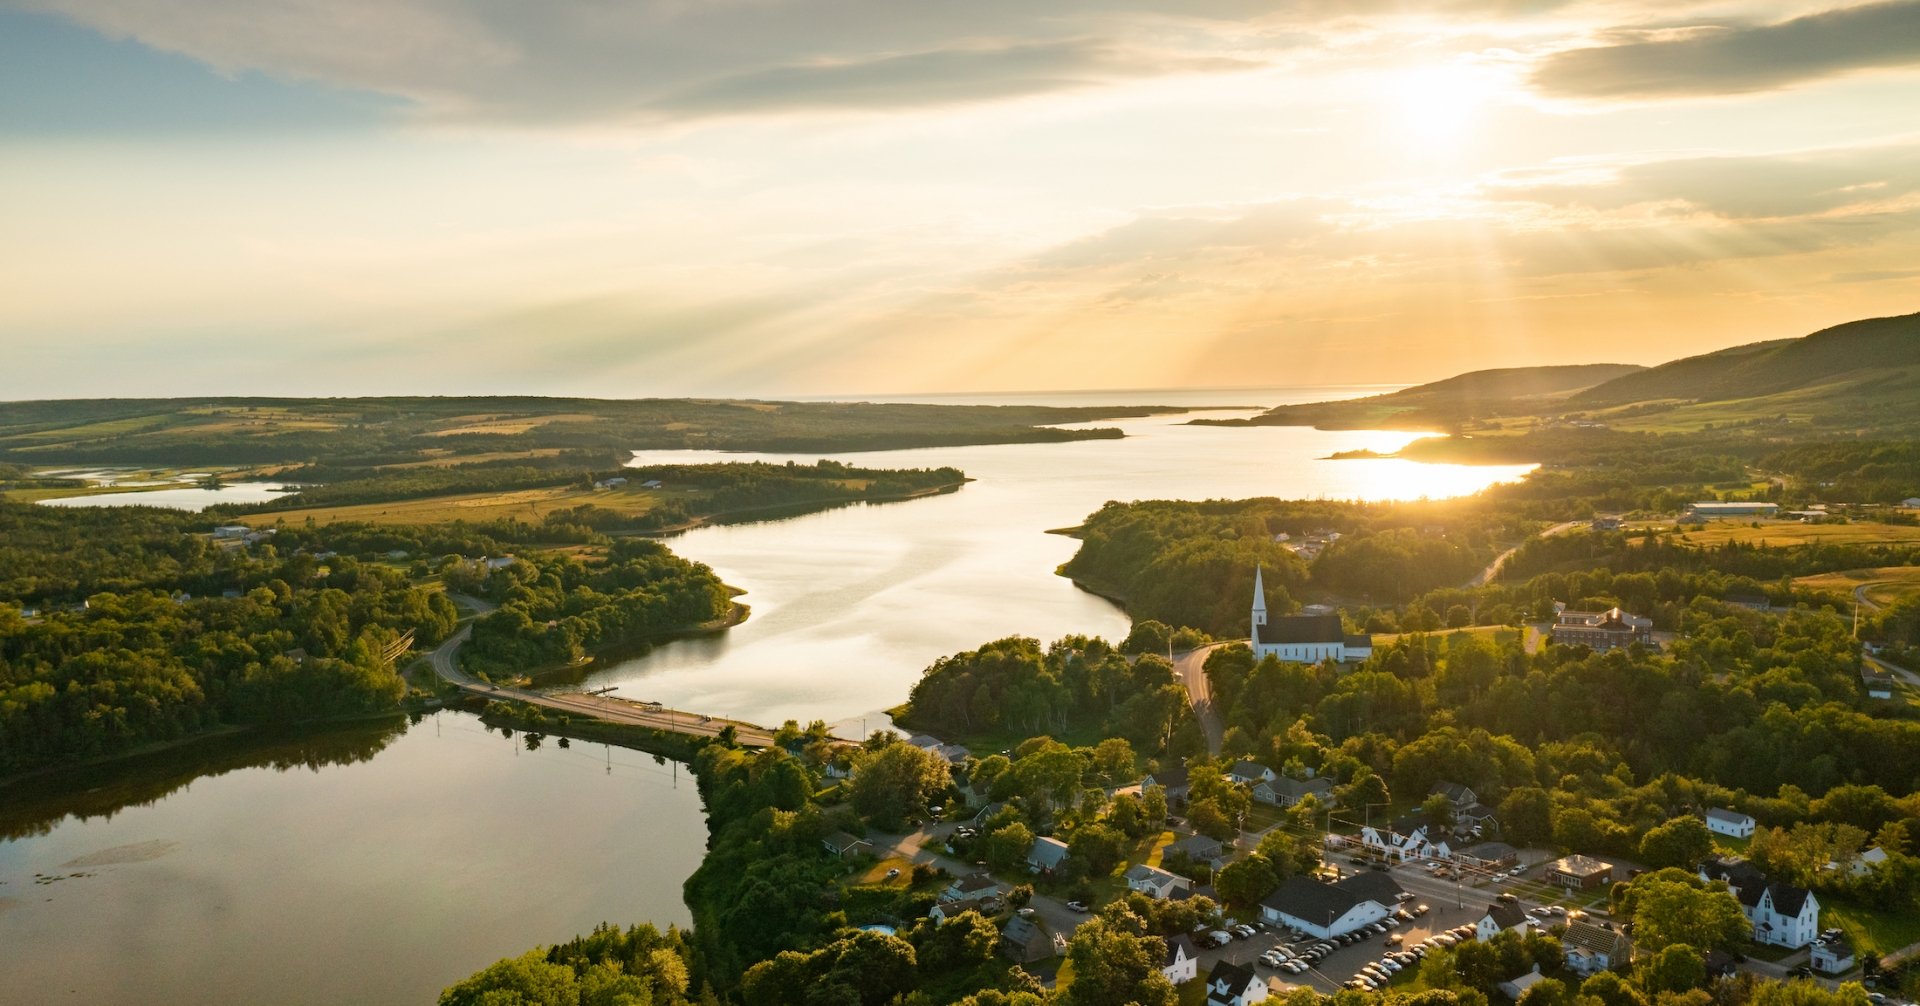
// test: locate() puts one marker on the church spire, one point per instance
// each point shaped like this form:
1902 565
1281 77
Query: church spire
1259 597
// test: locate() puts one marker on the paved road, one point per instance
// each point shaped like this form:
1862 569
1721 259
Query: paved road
1190 668
1860 595
1493 568
1894 669
446 663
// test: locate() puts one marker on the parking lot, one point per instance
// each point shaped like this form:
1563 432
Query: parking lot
1449 906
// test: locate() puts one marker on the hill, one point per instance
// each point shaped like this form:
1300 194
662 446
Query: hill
1860 349
1447 403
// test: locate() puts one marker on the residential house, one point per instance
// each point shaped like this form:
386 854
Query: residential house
1911 502
1605 522
1046 855
971 886
1832 953
1246 773
1458 794
1500 917
1864 863
1325 910
1517 987
1591 948
944 912
1183 964
1782 914
1756 602
1229 984
1026 940
989 812
231 531
1286 791
1730 823
1199 849
651 484
843 845
1878 683
1155 883
1406 840
1173 780
1579 872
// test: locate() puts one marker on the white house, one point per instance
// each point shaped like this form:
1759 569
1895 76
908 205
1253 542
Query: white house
1183 964
974 886
1229 984
1591 949
1302 639
1832 954
1500 917
1733 824
1156 883
1782 915
1911 502
1518 987
1247 772
1405 846
1326 910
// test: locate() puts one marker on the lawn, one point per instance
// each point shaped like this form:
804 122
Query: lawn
877 874
1193 993
526 504
1787 534
1159 848
1884 584
1871 931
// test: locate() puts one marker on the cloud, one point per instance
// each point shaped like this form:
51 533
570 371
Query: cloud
939 77
1748 188
1720 59
641 60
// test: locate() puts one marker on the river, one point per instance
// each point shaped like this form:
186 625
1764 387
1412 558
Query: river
379 863
850 605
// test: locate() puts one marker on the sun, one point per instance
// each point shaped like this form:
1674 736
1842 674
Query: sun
1438 103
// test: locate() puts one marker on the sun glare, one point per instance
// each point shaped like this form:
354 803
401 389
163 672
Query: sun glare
1439 103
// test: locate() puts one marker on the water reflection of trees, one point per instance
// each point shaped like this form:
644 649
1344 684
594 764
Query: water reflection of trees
37 805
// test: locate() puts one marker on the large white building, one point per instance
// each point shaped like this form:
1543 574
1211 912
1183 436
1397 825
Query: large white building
1326 910
1302 639
1782 914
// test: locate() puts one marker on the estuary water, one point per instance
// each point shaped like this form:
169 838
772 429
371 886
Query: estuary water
850 605
380 862
372 863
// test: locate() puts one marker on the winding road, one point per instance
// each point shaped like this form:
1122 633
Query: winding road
1493 568
1190 668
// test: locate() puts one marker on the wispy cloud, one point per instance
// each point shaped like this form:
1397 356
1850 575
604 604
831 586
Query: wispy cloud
1733 58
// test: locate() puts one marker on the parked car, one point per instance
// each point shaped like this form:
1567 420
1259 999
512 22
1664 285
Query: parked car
1509 897
1243 931
1025 913
1419 910
1077 906
1221 937
895 872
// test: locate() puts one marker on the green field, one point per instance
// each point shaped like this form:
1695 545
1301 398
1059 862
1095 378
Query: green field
1883 585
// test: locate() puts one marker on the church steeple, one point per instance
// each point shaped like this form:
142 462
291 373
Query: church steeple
1259 597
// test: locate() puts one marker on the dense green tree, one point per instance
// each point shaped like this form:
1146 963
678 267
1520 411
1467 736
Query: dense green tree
895 782
1681 842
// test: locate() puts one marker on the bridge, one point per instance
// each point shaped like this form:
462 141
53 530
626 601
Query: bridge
597 704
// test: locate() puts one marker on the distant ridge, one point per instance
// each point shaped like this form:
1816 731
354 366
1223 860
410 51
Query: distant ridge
1869 349
1444 403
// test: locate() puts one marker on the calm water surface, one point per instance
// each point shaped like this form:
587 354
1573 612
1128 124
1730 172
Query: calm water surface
850 605
379 863
367 864
184 498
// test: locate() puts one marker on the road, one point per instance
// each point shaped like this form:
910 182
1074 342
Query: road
1493 568
445 662
1860 595
1190 667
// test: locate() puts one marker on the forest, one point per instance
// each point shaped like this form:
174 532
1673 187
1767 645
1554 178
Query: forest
556 609
127 626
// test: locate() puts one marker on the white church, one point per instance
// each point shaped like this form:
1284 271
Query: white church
1302 639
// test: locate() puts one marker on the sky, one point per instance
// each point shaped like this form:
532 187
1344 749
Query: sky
631 198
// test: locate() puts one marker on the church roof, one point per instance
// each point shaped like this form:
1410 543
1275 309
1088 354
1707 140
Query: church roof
1301 629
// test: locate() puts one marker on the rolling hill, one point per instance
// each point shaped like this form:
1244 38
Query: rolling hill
1863 350
1443 404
